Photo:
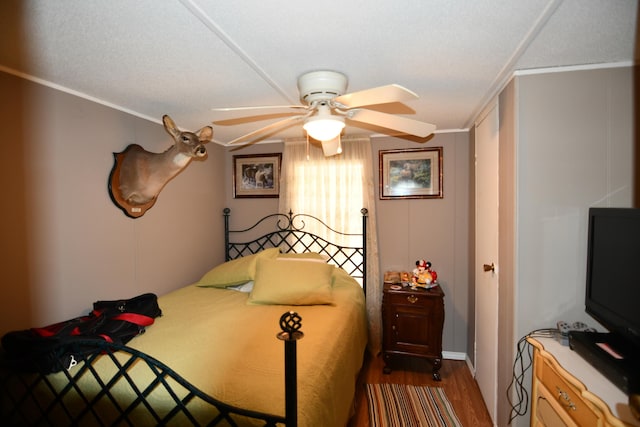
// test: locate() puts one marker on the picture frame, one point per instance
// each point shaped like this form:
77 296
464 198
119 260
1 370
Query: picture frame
411 174
256 175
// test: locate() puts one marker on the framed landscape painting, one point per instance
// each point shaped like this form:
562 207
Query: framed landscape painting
411 174
256 175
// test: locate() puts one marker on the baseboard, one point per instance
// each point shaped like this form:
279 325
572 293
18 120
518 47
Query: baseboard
472 368
454 355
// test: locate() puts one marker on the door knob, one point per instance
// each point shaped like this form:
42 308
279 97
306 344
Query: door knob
488 267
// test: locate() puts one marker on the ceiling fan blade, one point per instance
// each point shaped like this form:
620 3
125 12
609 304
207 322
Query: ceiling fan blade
376 95
254 118
260 107
390 121
270 128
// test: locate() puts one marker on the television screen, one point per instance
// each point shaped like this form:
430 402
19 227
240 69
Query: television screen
613 270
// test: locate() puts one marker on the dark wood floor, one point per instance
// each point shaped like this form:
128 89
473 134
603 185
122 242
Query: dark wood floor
458 383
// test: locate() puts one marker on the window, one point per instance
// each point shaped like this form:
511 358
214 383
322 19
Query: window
333 189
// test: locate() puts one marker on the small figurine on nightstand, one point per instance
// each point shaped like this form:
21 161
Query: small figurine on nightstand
406 279
423 275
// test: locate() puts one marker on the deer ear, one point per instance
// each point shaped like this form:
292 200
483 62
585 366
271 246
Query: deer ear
205 134
170 126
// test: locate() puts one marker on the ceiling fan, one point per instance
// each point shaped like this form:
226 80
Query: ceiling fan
325 106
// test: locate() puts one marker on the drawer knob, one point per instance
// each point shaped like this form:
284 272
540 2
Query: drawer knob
563 395
412 299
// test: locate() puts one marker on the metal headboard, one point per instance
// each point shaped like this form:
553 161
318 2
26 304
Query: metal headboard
287 232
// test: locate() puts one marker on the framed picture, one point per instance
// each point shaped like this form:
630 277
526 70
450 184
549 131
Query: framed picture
411 174
256 175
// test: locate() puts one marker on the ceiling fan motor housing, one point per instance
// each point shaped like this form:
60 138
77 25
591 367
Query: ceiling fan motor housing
321 85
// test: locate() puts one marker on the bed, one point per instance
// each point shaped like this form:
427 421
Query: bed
275 335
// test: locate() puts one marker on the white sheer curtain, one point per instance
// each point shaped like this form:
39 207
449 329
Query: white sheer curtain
334 189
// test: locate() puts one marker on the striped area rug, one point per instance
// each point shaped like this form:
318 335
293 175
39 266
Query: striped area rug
399 405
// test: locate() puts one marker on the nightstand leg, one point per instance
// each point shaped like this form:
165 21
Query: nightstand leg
387 367
437 363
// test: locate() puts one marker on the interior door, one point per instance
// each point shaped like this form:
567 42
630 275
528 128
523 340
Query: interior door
486 268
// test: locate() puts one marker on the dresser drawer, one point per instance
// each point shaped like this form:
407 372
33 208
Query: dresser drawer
566 395
548 411
417 299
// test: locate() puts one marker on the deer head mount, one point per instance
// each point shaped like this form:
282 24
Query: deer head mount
138 176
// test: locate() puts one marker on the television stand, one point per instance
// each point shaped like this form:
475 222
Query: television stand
616 359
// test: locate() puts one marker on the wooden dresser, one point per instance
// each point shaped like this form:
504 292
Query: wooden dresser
412 322
567 391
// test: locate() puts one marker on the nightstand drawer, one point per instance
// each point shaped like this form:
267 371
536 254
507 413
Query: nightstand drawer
417 299
566 395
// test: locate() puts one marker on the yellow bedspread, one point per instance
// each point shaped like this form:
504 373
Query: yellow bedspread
229 349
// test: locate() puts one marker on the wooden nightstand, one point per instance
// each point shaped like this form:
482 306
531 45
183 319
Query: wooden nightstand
412 322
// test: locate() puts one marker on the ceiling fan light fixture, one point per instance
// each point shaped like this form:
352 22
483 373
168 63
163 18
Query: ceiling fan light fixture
324 129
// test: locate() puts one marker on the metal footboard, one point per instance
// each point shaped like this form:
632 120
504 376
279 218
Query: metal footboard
28 399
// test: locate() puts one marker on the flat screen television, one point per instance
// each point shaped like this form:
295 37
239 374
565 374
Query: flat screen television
613 271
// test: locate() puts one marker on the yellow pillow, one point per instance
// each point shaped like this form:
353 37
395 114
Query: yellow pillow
291 282
236 271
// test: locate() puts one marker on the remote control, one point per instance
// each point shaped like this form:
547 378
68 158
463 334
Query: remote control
563 328
578 326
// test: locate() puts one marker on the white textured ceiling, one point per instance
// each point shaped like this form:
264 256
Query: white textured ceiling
155 57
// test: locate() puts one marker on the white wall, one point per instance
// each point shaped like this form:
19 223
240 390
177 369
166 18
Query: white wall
433 229
64 243
575 151
570 137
